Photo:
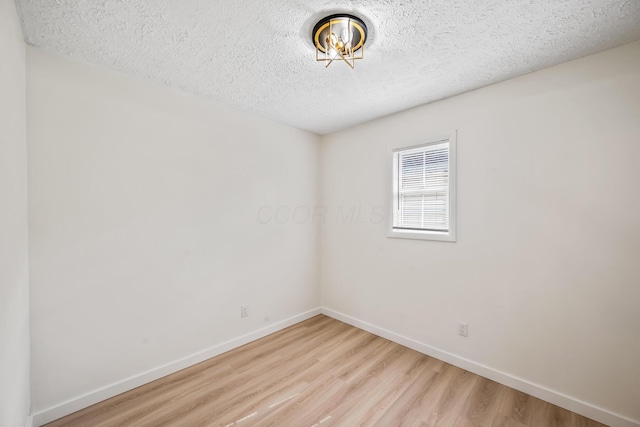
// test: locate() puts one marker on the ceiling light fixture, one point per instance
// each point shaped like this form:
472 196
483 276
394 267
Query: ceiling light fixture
339 37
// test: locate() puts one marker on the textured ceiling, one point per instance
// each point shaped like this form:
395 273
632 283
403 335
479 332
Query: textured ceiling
256 55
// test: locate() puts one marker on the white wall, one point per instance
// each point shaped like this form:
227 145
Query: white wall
135 261
144 229
14 280
546 269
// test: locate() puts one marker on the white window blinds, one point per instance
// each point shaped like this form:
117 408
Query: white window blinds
421 188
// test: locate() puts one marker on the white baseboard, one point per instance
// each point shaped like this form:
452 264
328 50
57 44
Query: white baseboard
93 397
575 405
559 399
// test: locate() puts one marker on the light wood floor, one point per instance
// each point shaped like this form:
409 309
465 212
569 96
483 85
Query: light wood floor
322 372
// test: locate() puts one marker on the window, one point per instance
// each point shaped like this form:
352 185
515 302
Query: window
423 205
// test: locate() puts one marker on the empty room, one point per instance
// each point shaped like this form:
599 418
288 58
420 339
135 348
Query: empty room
313 214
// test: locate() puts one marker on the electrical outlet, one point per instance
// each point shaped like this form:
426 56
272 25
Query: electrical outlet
463 329
244 310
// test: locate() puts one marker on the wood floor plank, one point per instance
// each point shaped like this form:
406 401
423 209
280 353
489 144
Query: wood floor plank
321 373
482 405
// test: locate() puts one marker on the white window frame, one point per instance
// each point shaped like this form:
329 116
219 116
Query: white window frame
449 236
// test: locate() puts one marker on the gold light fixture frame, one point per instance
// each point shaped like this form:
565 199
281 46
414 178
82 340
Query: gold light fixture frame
339 37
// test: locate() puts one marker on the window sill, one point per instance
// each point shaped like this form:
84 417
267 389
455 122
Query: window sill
427 235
